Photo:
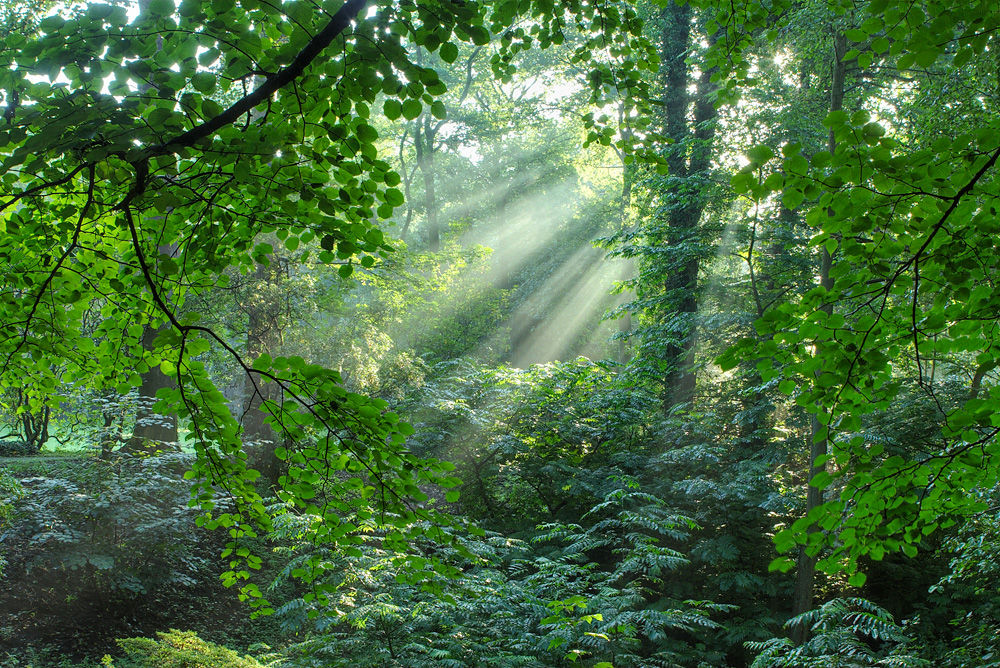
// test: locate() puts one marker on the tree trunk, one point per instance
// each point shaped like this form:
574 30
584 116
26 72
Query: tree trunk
688 158
625 319
424 141
152 430
258 436
34 425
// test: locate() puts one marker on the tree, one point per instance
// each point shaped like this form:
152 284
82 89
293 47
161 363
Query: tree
669 238
908 219
112 124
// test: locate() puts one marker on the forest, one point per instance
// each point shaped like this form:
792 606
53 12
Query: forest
402 333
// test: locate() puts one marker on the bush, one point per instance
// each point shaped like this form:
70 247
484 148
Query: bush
843 632
16 448
114 541
182 649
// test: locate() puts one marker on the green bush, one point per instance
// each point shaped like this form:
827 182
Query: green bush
16 448
109 540
846 632
182 649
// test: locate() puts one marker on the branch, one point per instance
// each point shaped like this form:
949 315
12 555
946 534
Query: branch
70 248
340 21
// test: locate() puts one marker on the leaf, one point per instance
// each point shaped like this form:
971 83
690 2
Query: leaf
366 133
392 109
448 52
161 7
411 109
821 480
835 119
394 196
760 154
480 35
792 198
927 57
204 82
781 564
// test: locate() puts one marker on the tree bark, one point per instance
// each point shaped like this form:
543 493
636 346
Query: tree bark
424 142
688 157
152 430
625 203
262 335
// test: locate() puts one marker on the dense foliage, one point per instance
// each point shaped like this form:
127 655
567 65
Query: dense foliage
499 332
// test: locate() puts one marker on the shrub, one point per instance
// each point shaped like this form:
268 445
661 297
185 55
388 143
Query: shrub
10 492
105 540
182 649
16 448
844 632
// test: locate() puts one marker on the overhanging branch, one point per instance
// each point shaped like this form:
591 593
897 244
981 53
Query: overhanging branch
340 21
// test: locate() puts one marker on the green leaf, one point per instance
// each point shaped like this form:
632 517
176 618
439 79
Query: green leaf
161 7
366 133
480 35
411 109
204 82
781 564
51 24
792 198
392 109
760 154
821 480
927 57
835 119
394 196
448 52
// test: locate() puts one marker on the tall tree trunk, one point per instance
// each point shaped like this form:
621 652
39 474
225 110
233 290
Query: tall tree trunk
152 430
424 142
806 573
262 328
625 319
688 158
